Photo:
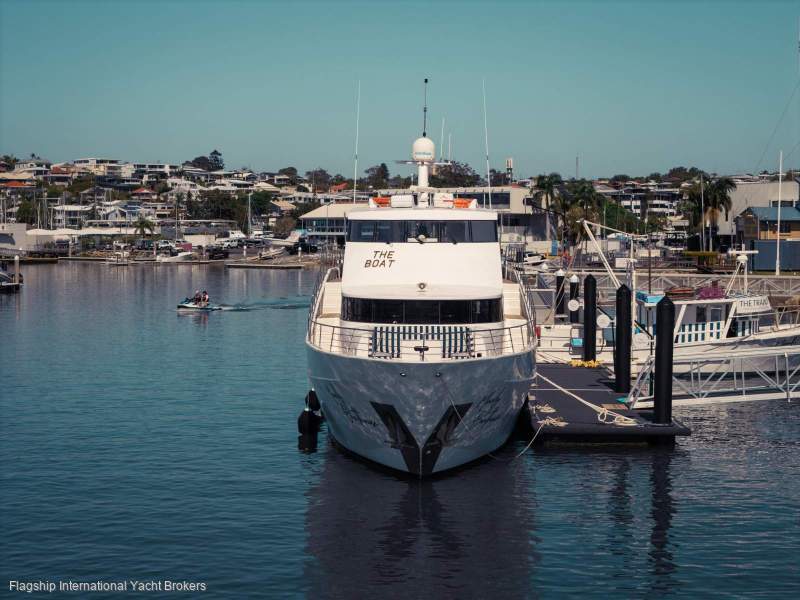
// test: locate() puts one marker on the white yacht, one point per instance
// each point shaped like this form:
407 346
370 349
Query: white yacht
709 320
419 351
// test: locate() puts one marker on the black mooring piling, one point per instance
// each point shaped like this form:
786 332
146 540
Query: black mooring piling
662 397
574 292
622 345
559 292
589 318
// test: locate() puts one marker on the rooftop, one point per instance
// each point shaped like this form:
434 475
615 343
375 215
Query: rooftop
763 213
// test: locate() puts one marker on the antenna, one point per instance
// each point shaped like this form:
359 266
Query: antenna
441 139
778 230
486 138
449 147
355 156
425 111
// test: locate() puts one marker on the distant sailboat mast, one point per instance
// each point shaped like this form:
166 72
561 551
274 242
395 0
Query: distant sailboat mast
486 140
778 231
355 156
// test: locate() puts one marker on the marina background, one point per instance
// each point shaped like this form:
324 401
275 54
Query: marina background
138 443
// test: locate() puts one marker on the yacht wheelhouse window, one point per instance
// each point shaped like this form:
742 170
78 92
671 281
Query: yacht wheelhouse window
422 312
484 231
434 231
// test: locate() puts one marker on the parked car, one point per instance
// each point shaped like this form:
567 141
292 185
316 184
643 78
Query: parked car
217 253
303 246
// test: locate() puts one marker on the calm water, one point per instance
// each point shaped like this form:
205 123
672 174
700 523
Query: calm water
139 444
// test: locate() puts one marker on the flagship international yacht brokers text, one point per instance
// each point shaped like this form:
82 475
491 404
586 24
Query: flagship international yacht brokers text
128 585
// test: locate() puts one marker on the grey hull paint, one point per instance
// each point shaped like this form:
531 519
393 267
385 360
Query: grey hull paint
466 411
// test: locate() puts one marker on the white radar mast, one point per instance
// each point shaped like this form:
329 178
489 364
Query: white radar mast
423 154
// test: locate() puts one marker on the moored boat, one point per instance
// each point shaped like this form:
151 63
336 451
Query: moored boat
420 353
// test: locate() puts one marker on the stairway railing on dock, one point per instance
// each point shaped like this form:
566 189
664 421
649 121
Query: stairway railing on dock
748 374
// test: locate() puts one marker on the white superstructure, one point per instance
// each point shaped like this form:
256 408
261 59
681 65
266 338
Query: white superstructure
420 353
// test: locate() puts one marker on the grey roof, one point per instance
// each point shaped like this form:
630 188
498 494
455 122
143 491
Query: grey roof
770 213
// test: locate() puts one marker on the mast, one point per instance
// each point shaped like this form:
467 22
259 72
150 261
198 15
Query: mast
486 139
778 232
441 138
355 157
249 219
425 110
702 215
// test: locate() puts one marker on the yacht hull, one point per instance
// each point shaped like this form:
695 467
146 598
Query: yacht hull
555 348
420 417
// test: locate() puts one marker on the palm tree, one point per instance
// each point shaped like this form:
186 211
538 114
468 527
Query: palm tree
714 197
547 191
717 199
143 225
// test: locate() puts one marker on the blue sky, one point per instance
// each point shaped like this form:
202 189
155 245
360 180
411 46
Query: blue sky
630 87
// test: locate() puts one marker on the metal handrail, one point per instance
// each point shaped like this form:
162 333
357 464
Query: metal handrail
708 374
356 341
316 296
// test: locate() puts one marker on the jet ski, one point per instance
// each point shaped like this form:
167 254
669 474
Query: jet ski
189 304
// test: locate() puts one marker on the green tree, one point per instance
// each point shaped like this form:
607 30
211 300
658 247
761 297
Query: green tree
547 190
142 226
291 173
201 162
215 160
284 226
718 201
81 184
26 212
320 179
455 174
377 176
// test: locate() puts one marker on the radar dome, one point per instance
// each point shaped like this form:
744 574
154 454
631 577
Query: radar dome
423 150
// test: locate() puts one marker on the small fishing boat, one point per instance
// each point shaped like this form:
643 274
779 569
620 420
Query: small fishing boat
9 283
189 304
178 258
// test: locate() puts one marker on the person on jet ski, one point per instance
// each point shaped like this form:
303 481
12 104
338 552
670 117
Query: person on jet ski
198 297
204 299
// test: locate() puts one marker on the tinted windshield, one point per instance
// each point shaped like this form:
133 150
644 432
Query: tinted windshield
410 231
422 312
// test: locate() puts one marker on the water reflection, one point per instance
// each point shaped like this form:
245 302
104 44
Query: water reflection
663 508
469 534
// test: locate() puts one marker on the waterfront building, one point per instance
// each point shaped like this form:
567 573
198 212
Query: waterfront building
185 187
652 197
196 174
100 166
141 194
761 223
58 175
755 194
326 224
70 216
522 219
38 167
162 169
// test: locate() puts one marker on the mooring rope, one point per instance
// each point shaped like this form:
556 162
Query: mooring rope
461 420
602 413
